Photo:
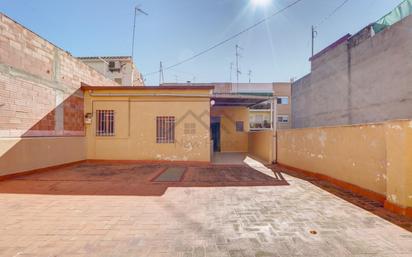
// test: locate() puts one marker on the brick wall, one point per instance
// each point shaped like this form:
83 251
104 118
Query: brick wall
39 85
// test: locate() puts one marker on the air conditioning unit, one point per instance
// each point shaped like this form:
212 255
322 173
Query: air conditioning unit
114 66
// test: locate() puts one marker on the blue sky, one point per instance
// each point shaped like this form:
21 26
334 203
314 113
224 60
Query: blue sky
176 29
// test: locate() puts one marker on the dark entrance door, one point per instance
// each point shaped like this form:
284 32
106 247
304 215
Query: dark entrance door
215 128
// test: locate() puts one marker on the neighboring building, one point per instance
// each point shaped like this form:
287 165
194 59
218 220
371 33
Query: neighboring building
260 116
118 68
361 78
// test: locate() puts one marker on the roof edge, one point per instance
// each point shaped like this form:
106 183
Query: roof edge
331 46
103 57
85 87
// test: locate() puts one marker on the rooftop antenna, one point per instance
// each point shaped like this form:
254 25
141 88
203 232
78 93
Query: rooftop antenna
231 71
238 72
161 75
314 34
137 10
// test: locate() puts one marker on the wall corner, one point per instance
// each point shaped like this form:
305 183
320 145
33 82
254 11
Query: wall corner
398 137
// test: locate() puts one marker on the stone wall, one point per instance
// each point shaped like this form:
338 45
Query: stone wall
364 79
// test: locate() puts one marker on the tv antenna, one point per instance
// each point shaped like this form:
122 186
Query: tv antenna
137 10
238 72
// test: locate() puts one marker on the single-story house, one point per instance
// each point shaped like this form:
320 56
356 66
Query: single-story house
170 124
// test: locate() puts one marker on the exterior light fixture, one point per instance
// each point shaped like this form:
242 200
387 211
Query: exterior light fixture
88 118
212 102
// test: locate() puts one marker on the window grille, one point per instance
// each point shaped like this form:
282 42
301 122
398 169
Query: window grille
165 129
105 123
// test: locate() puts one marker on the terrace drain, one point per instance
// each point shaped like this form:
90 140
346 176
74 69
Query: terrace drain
173 174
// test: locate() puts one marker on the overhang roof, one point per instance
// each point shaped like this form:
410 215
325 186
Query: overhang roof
238 99
245 100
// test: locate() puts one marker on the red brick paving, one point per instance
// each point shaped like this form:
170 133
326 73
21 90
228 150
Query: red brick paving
131 179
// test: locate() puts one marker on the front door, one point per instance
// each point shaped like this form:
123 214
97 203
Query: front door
215 128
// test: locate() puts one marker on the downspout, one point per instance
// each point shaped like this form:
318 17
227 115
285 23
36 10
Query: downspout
274 128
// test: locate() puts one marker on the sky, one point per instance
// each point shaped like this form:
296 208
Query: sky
174 30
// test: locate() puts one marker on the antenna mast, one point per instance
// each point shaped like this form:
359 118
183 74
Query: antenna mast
161 75
231 71
137 10
314 34
238 72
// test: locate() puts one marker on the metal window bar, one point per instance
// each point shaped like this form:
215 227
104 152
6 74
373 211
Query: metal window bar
165 129
105 123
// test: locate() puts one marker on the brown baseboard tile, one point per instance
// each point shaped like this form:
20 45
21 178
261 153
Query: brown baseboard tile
405 211
339 183
45 169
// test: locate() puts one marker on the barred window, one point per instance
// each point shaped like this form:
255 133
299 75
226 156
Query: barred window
105 123
190 128
165 129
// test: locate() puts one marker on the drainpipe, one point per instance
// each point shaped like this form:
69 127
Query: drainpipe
274 130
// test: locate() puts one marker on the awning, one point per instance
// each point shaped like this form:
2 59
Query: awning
403 10
245 100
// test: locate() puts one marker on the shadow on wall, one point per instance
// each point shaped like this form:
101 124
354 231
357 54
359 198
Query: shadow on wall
134 179
64 120
56 138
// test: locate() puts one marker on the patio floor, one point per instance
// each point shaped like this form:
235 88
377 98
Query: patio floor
229 158
100 209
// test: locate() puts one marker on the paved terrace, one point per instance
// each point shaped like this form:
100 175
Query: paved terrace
100 209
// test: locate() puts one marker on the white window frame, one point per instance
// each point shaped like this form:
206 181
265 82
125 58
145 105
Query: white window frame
281 100
283 121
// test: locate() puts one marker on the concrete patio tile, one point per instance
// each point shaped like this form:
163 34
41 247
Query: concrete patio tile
193 221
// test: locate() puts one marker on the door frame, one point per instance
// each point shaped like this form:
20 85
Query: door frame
215 120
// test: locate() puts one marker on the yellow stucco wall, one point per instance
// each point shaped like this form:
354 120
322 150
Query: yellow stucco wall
135 126
354 154
399 162
25 154
260 145
230 139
